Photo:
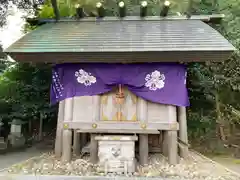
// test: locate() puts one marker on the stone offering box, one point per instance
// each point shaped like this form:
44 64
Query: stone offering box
116 153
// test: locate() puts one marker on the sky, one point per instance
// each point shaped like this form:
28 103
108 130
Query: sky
13 30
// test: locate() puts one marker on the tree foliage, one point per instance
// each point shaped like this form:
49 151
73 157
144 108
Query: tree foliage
214 87
25 91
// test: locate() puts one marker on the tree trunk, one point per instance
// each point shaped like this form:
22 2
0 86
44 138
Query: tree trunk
219 123
40 135
30 127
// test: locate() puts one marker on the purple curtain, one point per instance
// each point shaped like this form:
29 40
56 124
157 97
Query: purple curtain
163 83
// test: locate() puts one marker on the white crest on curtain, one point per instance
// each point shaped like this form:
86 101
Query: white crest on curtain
85 78
155 80
57 85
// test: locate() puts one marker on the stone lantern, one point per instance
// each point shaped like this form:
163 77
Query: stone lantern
16 127
16 138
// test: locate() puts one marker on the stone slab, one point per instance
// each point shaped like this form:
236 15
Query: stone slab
116 138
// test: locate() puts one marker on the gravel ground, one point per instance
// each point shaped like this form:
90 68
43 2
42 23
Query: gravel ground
229 162
11 158
194 168
52 177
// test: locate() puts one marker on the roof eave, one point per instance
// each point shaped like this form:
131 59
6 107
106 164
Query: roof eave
122 57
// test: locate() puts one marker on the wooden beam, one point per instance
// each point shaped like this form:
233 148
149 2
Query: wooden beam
122 125
55 9
165 9
124 131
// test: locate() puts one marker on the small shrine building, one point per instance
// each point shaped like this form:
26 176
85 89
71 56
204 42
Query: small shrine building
116 76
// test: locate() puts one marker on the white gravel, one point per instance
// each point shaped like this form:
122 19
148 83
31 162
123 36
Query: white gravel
194 168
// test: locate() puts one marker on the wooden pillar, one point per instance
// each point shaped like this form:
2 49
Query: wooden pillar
67 145
93 143
172 147
165 143
143 149
83 139
93 149
67 133
143 138
76 143
172 141
58 140
183 136
68 110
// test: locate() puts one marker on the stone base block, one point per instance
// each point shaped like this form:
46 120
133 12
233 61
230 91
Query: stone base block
16 141
3 144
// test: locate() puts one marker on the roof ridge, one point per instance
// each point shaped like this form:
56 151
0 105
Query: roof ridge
205 18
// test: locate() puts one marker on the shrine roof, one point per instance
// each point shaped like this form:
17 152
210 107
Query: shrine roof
122 41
